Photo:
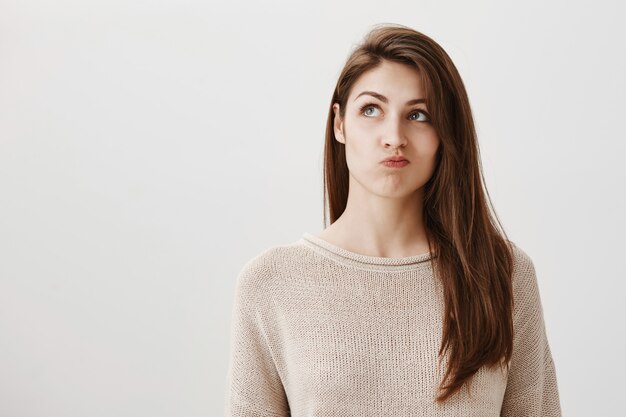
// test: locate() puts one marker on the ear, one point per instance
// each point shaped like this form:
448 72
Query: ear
338 124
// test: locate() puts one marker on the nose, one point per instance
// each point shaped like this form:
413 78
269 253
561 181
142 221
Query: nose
393 135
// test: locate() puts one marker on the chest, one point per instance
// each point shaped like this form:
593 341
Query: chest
371 348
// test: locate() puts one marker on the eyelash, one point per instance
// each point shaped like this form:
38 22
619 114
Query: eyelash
366 105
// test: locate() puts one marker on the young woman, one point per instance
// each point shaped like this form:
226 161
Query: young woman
411 302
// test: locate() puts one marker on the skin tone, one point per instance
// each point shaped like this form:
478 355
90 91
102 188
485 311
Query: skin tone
383 216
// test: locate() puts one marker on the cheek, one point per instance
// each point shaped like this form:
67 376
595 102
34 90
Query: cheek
362 158
358 155
359 143
429 145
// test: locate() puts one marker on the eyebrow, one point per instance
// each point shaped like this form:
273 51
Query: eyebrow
385 100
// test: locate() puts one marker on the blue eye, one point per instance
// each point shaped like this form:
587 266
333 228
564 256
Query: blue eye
368 106
375 106
421 112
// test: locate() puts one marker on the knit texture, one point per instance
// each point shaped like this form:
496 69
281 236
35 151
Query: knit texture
319 331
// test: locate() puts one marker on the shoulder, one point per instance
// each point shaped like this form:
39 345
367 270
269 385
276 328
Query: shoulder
523 264
271 261
524 280
266 270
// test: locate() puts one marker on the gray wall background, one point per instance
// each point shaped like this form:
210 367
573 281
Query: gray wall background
149 149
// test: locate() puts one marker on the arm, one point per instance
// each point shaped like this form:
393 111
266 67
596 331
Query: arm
531 386
254 387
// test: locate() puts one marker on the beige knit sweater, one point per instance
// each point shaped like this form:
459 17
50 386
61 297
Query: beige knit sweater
319 331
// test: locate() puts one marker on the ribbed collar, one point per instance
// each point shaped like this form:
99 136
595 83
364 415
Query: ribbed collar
380 263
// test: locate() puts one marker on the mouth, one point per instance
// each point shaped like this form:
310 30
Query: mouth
391 163
396 158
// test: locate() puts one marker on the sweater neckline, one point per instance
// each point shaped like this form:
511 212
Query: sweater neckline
347 257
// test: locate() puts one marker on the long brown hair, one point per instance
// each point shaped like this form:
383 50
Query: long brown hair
474 257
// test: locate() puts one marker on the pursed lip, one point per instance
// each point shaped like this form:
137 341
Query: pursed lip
395 159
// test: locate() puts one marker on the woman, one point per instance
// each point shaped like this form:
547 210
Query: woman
412 302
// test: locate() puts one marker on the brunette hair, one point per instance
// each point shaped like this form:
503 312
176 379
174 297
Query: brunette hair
474 257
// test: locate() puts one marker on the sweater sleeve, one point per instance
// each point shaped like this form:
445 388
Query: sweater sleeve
254 386
531 385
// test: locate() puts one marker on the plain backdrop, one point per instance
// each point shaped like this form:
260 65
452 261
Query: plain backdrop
148 149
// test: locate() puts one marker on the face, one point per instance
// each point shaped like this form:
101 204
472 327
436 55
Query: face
392 123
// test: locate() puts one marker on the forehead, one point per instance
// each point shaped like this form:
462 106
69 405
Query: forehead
396 81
